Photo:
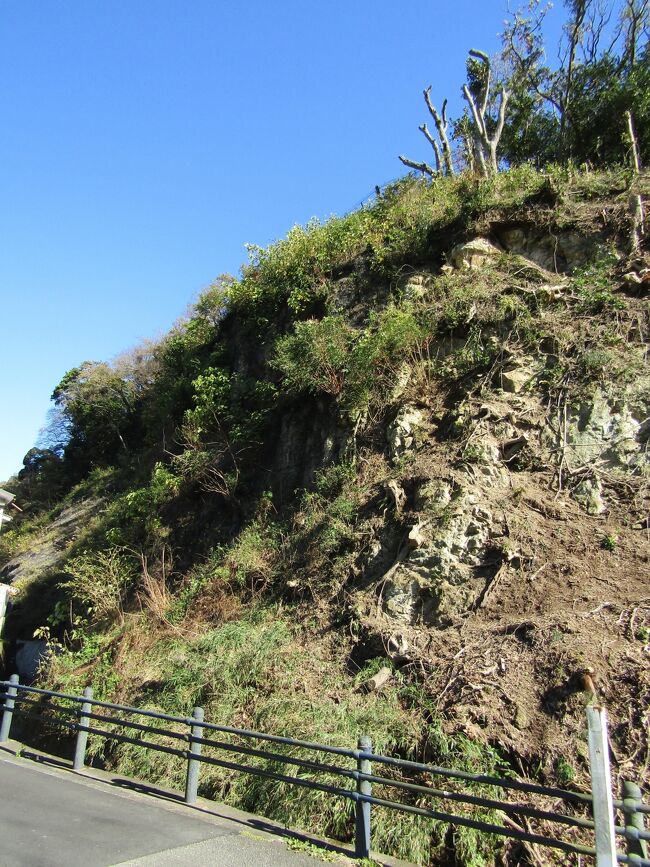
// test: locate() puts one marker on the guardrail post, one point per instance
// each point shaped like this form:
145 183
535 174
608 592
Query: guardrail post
634 822
9 704
364 787
601 788
192 781
82 737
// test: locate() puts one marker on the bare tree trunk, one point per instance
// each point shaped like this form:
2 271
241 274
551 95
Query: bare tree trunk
419 167
470 153
574 41
636 156
635 206
442 159
486 144
434 144
441 123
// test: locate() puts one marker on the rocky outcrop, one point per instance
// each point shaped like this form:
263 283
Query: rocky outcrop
47 549
556 252
433 581
606 432
402 431
472 255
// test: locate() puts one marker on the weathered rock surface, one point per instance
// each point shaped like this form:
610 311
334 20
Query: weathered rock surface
556 253
605 432
401 432
434 582
48 549
473 254
518 375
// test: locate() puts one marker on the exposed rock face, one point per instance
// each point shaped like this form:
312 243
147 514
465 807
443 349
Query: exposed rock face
434 582
473 254
604 432
416 285
29 657
48 549
518 375
556 253
308 440
401 432
589 493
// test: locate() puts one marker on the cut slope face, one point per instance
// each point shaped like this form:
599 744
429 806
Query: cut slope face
392 481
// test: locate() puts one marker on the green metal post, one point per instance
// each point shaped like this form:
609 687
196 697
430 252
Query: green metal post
82 736
9 703
192 780
634 822
364 787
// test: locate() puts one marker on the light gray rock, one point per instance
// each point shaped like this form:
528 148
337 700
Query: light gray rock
604 432
517 378
377 681
557 253
473 254
48 549
395 494
433 495
589 494
435 582
401 432
416 286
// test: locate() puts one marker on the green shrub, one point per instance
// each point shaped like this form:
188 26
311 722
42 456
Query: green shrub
296 269
594 283
100 581
356 367
316 356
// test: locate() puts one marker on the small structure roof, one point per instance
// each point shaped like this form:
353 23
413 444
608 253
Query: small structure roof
6 497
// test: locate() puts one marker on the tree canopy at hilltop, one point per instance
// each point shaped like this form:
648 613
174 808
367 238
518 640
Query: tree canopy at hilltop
540 113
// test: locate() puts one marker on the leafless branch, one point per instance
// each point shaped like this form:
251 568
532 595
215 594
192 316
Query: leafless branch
441 126
425 168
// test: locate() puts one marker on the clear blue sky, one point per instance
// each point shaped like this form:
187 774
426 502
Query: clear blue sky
144 142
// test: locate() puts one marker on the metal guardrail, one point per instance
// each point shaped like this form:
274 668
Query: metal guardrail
196 733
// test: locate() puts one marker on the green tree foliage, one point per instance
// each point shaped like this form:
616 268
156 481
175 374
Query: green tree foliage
541 113
228 418
316 356
98 405
354 366
41 480
577 110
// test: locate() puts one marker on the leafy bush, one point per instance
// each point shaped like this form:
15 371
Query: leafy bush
99 581
316 356
328 356
296 269
251 561
594 283
134 516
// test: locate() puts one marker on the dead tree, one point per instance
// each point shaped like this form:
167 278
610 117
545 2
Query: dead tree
442 124
444 163
486 144
637 215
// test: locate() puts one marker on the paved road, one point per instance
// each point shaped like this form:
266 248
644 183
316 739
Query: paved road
52 818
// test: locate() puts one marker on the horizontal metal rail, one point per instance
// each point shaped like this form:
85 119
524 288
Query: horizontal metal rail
478 825
532 788
81 712
522 809
324 748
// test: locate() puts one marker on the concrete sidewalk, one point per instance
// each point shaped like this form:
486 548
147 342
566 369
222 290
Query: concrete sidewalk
51 816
